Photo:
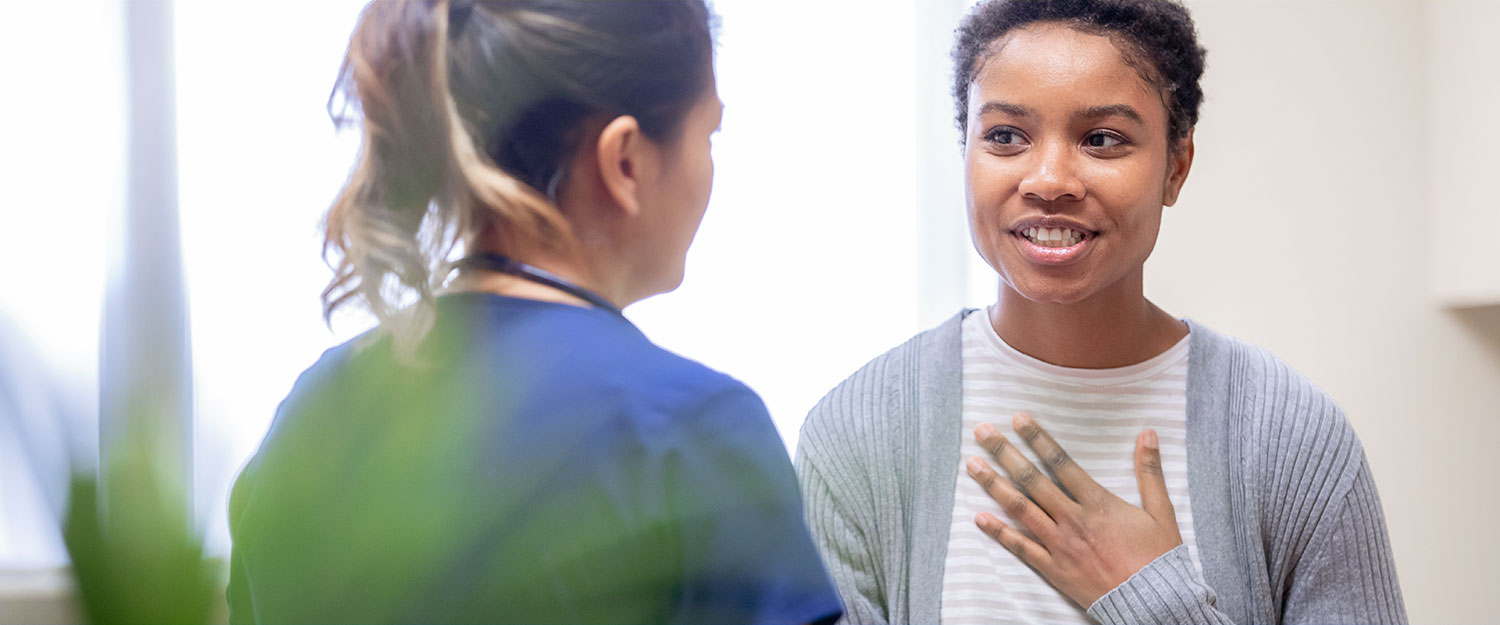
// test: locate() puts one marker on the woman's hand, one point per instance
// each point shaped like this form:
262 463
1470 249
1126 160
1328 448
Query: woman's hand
1088 541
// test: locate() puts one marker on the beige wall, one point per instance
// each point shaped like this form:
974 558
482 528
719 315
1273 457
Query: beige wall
1307 226
1463 128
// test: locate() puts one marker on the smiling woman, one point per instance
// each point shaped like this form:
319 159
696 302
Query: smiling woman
1076 149
1077 121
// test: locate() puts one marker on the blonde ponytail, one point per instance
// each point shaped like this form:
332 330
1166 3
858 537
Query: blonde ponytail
420 186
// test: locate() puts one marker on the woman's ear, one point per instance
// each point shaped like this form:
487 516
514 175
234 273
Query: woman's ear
621 154
1178 165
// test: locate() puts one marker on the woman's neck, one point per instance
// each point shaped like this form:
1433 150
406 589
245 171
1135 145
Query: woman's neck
1106 331
574 271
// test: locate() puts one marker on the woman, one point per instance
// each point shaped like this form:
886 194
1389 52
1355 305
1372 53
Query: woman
507 447
1078 120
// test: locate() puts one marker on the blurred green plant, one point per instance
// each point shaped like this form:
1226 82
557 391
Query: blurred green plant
137 557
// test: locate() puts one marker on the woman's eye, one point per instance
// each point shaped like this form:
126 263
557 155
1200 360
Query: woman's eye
1103 140
1005 136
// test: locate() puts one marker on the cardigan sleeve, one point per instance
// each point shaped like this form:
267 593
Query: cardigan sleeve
846 549
1318 551
1348 574
1164 591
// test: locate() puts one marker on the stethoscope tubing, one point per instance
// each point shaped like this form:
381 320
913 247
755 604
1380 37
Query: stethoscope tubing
504 264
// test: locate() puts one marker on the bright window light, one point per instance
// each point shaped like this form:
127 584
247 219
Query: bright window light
804 268
62 160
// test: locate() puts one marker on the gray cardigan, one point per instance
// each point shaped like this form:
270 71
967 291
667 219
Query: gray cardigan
1289 526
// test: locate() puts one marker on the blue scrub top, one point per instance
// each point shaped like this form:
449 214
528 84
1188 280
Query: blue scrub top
536 462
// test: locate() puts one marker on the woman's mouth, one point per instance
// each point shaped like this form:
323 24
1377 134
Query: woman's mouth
1053 245
1052 237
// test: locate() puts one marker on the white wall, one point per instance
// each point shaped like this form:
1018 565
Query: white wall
1305 227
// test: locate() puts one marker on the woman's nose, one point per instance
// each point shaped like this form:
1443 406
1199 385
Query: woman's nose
1052 175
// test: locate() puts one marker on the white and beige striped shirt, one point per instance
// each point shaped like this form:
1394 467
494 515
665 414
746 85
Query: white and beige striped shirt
1095 414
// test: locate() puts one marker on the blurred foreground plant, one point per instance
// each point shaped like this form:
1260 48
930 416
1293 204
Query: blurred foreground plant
137 557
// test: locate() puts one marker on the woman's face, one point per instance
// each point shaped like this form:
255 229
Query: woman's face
1067 165
678 197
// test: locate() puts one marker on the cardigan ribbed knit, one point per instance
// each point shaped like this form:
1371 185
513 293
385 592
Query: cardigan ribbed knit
1289 526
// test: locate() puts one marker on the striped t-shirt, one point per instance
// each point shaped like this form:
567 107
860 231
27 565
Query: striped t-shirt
1094 414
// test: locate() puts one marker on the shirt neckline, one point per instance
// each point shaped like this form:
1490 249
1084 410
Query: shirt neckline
991 342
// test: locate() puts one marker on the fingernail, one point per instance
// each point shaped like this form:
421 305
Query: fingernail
975 465
1151 442
985 430
1022 420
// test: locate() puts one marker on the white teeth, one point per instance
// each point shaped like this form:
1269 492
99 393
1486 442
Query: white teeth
1053 237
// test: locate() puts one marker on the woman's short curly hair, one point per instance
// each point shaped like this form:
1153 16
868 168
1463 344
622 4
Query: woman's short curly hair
1156 37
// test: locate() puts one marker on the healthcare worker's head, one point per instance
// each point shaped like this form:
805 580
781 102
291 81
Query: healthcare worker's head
574 132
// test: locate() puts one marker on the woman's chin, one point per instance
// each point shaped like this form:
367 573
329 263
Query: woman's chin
665 282
1050 292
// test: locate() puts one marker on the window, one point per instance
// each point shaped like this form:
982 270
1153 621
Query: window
63 166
